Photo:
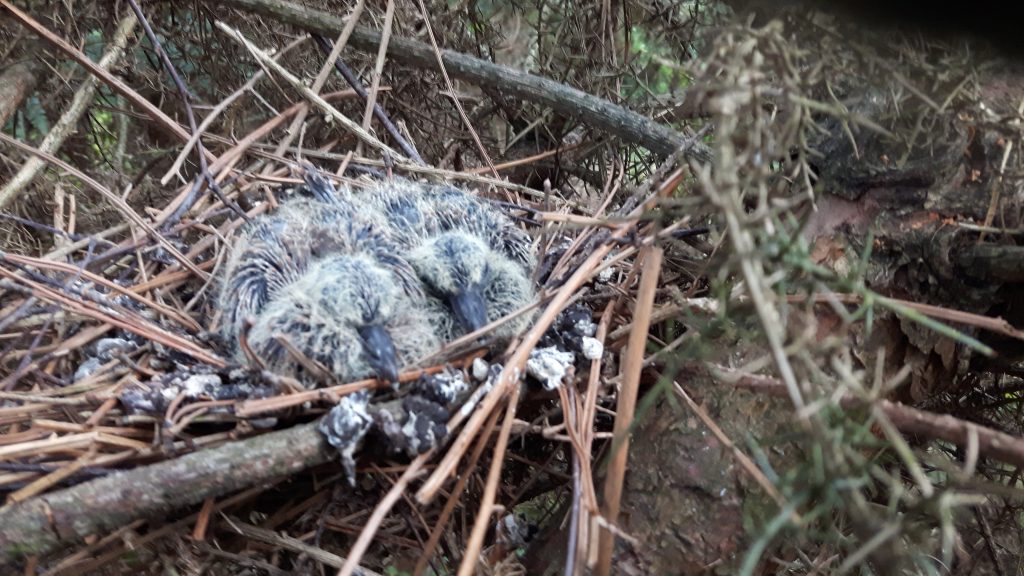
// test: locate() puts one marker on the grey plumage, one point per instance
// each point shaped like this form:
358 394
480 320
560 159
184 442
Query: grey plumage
459 211
347 313
472 259
320 274
413 212
365 284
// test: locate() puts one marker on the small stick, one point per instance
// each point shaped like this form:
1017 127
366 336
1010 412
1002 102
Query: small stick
626 405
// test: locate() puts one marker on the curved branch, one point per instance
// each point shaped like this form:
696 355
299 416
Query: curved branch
598 112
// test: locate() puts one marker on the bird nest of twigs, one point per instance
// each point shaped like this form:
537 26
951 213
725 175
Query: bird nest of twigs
113 362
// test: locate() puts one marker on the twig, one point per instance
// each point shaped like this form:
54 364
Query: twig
161 119
289 543
991 443
622 123
453 501
204 172
250 408
135 543
313 97
114 199
513 368
997 325
378 111
451 88
181 319
216 112
483 517
136 324
296 128
228 159
626 403
744 460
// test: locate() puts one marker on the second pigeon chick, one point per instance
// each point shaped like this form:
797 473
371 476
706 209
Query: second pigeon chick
473 261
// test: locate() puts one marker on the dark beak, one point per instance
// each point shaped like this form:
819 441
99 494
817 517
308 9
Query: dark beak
321 188
470 309
380 352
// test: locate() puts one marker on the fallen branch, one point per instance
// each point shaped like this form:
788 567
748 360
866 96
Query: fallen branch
991 443
609 117
46 523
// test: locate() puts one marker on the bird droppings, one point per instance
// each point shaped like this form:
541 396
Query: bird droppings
549 365
411 425
442 388
196 383
103 351
592 348
514 530
106 348
573 331
199 384
585 326
87 368
606 274
344 428
480 369
493 373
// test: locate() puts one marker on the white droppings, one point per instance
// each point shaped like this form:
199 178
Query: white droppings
549 365
605 275
106 348
705 305
344 428
585 327
480 369
409 432
85 369
199 384
592 348
492 377
450 384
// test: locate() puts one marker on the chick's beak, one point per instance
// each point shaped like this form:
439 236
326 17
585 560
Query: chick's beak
380 352
469 308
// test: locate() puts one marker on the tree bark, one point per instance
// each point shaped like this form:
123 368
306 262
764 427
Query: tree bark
46 523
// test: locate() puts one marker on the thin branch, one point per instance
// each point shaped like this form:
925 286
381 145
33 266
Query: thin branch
990 442
611 118
313 97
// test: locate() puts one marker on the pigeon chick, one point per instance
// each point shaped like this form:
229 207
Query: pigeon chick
413 212
349 314
473 261
469 285
278 253
456 209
